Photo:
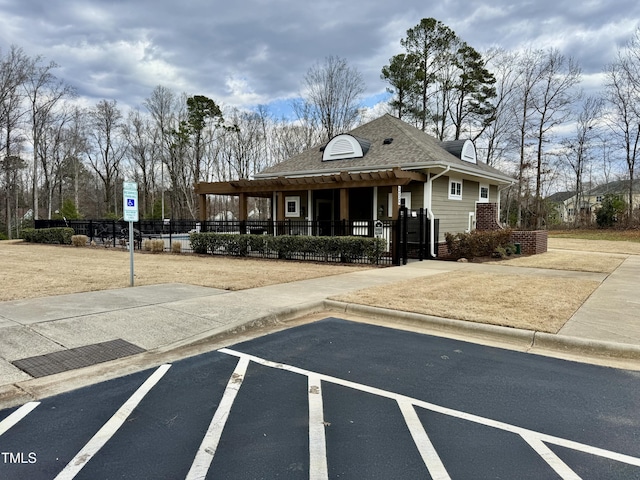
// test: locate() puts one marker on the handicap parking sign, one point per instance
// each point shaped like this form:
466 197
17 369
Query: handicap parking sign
130 197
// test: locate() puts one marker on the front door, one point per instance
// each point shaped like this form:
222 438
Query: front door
324 216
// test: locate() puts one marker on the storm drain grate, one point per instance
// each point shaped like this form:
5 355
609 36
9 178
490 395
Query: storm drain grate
56 362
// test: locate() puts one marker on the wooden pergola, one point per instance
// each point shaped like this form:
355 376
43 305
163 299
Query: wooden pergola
278 186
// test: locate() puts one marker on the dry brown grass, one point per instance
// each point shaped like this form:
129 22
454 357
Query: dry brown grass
531 302
568 260
603 246
535 302
519 301
30 270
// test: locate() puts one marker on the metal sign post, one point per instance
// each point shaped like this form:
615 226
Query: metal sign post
130 209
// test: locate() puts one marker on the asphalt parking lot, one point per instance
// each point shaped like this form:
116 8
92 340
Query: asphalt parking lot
337 399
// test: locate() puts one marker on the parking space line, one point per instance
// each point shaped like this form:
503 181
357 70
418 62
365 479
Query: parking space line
551 458
427 451
209 445
111 427
16 416
317 442
531 434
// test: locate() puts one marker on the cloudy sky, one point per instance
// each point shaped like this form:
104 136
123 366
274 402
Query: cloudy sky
248 52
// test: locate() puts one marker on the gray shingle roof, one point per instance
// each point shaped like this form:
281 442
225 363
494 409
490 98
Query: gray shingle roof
618 187
410 148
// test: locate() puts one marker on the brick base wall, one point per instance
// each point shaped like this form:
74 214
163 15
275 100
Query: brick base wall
531 242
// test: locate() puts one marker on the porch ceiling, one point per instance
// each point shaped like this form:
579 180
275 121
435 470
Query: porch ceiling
266 186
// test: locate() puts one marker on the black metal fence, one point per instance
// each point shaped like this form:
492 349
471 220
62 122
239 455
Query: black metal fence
405 238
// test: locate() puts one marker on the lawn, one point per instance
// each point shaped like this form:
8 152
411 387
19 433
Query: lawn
631 235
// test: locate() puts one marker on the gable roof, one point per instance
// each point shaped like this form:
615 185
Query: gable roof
617 187
393 144
561 196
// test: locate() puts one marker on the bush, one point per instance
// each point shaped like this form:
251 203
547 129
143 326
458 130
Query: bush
176 246
610 211
478 243
79 240
346 249
58 235
157 246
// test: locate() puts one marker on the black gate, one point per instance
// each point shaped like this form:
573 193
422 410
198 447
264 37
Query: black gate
413 236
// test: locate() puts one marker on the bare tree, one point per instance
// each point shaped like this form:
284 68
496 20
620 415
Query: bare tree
162 105
578 151
14 70
530 71
44 91
501 133
106 149
142 147
332 91
623 98
555 96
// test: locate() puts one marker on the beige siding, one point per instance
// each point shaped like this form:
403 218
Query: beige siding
454 214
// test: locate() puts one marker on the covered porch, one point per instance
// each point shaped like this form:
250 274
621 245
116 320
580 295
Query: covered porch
341 197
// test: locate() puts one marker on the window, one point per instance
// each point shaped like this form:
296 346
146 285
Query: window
455 189
292 206
599 199
484 193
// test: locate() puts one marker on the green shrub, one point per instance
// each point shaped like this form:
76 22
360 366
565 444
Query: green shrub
57 235
611 211
477 243
346 249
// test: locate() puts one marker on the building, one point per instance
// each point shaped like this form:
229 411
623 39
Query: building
367 174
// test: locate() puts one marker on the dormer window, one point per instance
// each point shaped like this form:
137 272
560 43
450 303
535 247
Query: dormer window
345 147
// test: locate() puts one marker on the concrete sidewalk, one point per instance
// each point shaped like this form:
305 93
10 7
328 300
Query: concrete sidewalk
170 316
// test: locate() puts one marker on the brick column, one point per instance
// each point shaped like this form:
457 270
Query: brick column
487 217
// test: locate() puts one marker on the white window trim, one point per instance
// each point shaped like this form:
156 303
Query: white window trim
296 202
480 199
455 196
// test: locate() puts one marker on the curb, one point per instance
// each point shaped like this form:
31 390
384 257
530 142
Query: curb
524 340
531 340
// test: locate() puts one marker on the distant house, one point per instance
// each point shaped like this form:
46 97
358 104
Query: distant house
565 203
367 174
563 206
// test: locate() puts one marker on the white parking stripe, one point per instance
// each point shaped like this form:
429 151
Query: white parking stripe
16 416
581 447
551 458
111 427
317 442
429 455
209 445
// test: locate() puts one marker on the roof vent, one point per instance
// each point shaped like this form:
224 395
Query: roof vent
345 146
387 141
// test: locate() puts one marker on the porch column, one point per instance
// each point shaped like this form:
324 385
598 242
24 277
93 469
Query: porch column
279 206
202 207
242 207
395 202
375 204
344 204
310 213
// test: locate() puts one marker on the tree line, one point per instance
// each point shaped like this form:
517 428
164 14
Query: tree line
525 110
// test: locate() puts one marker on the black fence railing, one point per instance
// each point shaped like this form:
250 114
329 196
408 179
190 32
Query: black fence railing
405 238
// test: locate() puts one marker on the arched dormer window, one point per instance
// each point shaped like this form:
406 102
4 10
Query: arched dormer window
463 149
345 146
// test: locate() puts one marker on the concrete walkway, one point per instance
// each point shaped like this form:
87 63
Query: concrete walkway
175 315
